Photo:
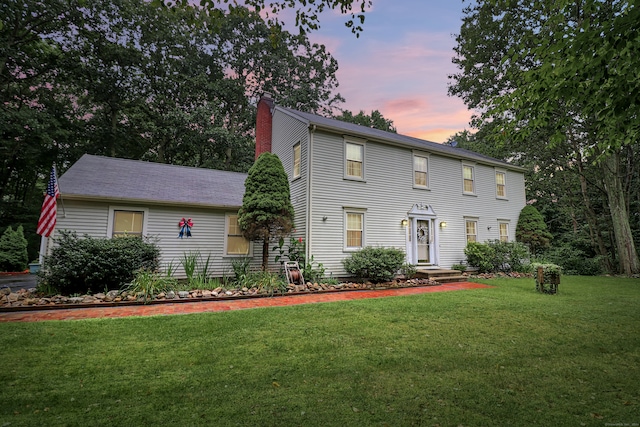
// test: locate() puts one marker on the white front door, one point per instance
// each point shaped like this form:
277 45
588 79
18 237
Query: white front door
422 235
423 241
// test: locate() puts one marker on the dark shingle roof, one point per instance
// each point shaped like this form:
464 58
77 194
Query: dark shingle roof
339 126
97 177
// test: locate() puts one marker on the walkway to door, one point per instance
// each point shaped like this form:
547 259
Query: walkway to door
222 305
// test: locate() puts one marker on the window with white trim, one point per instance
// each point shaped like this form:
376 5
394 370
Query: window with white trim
420 171
235 242
296 160
471 227
501 184
127 221
503 227
354 230
354 160
468 178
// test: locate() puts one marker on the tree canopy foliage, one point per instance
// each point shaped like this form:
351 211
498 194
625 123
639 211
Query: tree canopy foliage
374 120
128 79
306 12
555 90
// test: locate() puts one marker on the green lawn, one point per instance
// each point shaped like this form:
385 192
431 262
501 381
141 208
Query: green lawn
503 356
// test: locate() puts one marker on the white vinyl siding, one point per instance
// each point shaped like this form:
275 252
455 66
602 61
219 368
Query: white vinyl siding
388 193
287 132
420 171
162 227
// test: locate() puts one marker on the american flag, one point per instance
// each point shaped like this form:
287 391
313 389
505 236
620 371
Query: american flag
47 221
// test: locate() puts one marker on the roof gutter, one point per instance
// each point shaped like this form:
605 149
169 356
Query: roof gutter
83 198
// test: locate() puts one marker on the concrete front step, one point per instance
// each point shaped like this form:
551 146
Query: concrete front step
440 275
450 279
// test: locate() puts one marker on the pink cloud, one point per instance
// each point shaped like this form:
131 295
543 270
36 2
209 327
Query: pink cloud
406 81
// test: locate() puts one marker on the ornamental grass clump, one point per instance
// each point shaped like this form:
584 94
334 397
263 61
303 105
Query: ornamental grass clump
149 284
375 264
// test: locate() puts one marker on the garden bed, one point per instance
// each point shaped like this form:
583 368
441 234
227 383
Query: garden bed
31 299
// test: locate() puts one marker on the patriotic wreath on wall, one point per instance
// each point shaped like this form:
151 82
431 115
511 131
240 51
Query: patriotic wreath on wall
185 227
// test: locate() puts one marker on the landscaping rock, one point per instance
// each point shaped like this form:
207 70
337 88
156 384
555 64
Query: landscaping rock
23 298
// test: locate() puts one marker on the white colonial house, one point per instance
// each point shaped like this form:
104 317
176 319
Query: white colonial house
351 187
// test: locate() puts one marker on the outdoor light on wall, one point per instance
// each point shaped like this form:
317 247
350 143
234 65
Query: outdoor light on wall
443 224
404 222
324 218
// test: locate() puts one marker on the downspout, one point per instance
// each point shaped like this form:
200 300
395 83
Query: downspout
309 233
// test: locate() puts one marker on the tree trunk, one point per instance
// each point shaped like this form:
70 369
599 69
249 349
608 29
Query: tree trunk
594 233
265 254
627 254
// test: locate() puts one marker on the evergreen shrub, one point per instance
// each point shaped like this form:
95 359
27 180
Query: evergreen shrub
375 264
78 265
13 250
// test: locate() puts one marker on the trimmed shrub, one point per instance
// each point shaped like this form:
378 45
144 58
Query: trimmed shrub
78 265
480 255
495 255
13 250
375 264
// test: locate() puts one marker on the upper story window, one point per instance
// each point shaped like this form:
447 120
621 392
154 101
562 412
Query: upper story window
471 226
296 160
504 231
501 184
354 160
420 171
468 177
236 243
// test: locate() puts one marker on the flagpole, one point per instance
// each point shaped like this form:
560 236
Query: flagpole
64 212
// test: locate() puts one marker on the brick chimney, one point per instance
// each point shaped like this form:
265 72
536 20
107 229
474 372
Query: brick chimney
263 124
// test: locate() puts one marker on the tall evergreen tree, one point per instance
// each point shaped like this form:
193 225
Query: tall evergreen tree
532 230
266 210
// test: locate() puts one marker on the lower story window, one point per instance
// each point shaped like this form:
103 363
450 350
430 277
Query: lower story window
472 230
237 244
504 231
355 229
127 223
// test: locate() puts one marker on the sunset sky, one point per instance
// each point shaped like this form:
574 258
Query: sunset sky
400 64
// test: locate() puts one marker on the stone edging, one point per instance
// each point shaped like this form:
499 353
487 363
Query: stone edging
99 303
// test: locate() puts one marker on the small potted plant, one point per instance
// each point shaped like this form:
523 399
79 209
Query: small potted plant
34 267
